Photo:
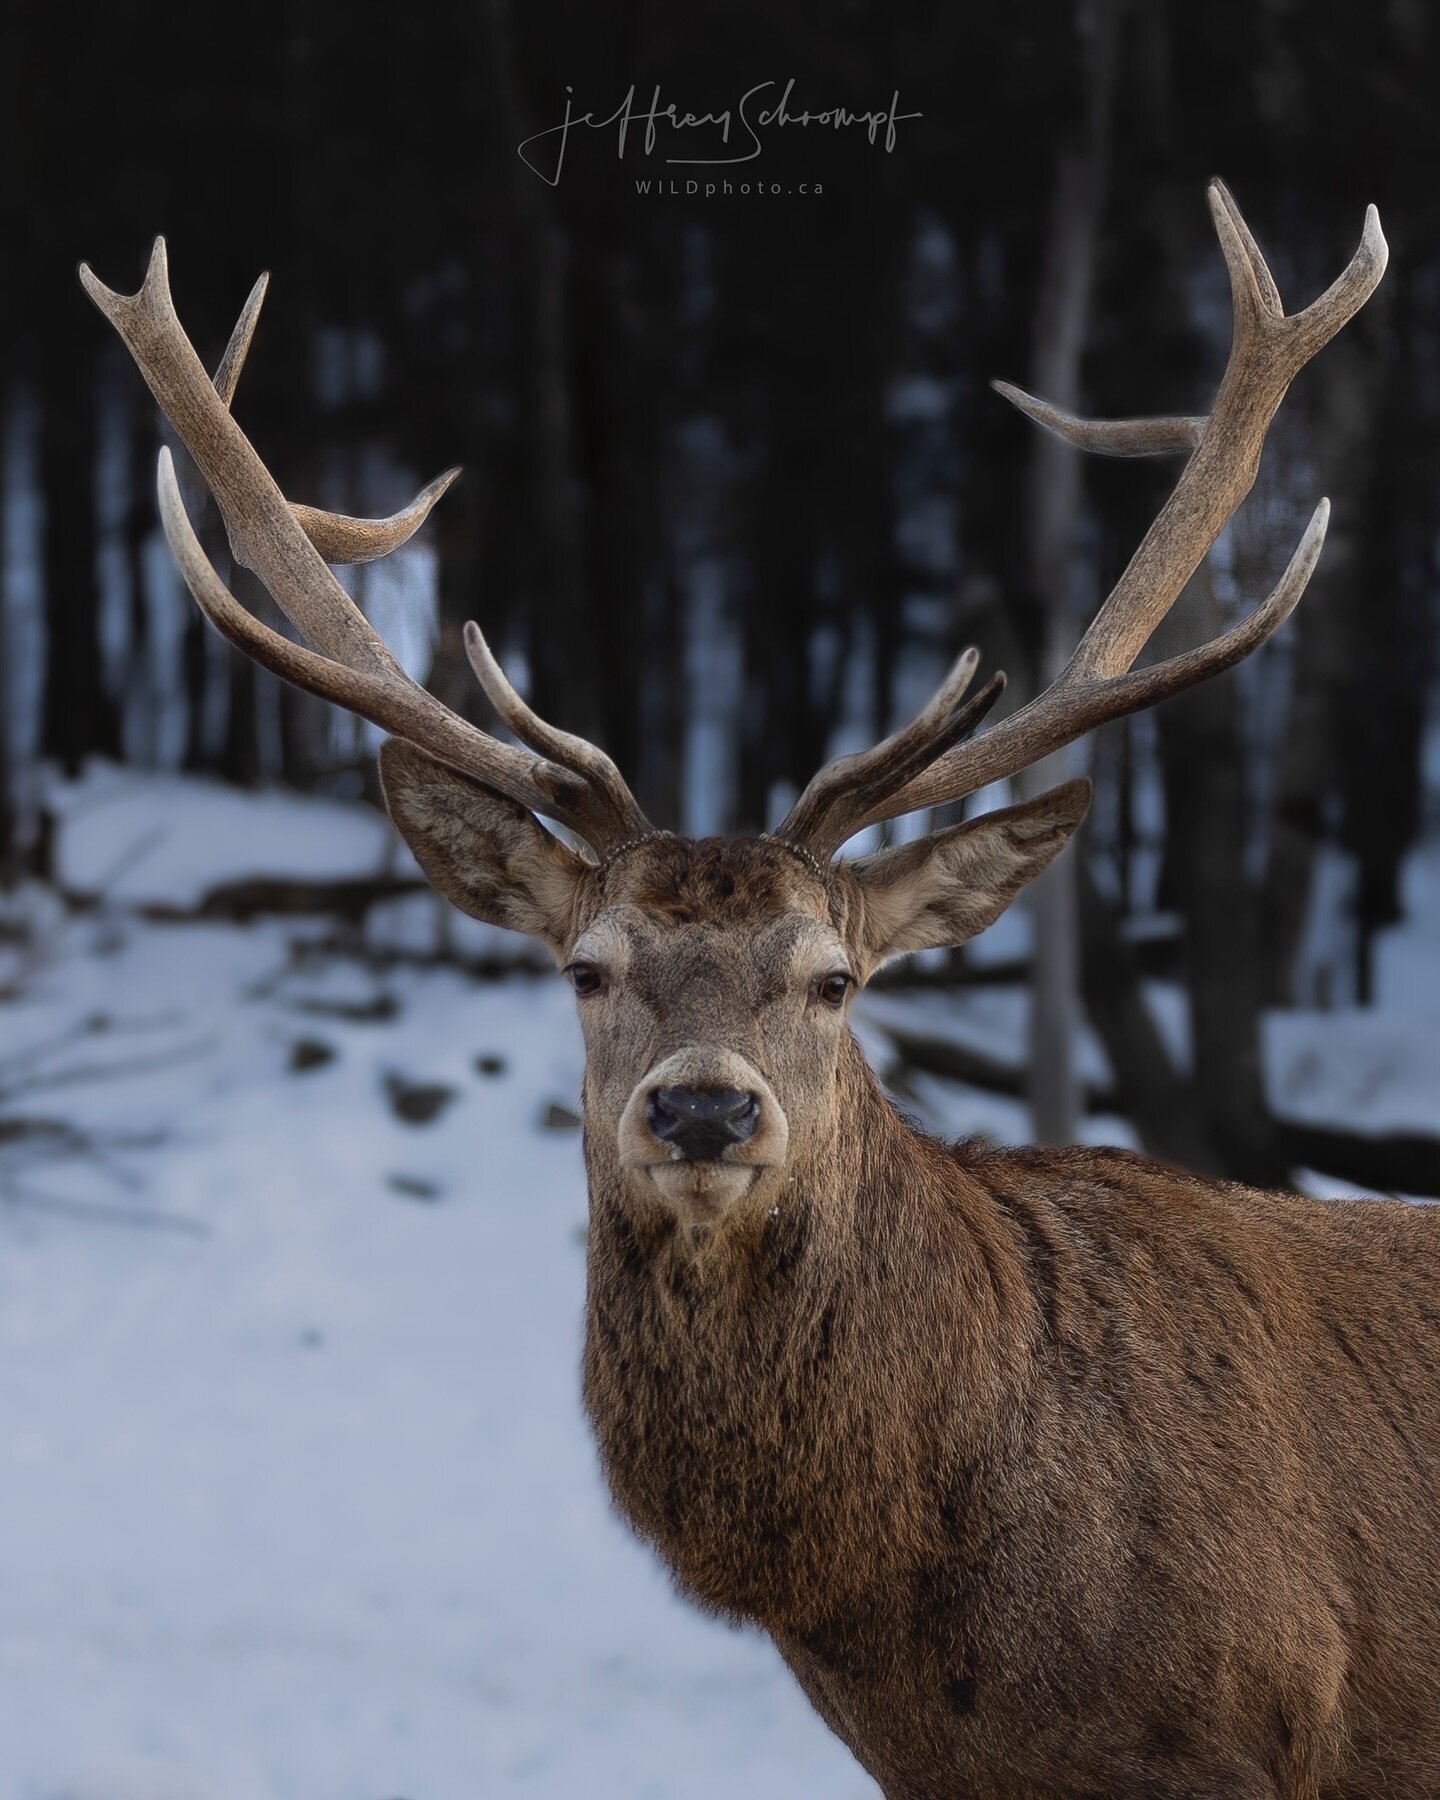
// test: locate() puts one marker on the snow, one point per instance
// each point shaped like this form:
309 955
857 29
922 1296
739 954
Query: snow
1364 1071
298 1499
146 839
1407 957
1374 1069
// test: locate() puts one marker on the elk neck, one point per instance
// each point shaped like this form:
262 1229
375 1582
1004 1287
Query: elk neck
770 1405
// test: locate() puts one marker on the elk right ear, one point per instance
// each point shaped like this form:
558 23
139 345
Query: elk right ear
940 890
487 855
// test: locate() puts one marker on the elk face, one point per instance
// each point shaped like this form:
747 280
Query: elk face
713 982
714 977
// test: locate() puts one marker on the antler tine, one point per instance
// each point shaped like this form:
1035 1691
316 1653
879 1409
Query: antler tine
561 746
1313 328
337 536
849 787
1253 293
1109 437
342 539
349 664
1268 349
227 374
404 708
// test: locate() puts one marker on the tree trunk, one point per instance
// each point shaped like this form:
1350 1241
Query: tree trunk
1343 428
1056 493
142 700
80 716
564 650
9 818
1382 704
1154 1094
1207 815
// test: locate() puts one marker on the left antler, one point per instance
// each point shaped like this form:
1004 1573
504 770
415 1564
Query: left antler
928 764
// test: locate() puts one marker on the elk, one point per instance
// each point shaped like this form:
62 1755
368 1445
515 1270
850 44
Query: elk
1051 1473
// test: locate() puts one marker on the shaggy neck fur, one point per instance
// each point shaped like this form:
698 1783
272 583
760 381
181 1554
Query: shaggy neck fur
772 1407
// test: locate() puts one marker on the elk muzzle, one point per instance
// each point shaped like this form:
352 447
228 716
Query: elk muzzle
703 1125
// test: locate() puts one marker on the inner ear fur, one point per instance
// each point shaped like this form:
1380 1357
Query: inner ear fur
942 890
487 855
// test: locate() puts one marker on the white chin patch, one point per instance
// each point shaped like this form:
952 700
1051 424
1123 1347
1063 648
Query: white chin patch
701 1191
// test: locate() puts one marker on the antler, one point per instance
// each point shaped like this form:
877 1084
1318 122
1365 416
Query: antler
1268 349
288 547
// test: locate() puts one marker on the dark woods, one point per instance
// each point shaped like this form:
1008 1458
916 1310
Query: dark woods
735 482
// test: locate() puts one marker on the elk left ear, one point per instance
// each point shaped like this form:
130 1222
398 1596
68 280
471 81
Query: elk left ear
485 853
944 889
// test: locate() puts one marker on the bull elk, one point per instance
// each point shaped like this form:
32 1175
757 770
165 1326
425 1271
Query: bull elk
1050 1473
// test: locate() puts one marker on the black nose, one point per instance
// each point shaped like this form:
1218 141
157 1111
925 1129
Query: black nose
701 1122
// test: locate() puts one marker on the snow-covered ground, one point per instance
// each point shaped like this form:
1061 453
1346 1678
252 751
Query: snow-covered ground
296 1498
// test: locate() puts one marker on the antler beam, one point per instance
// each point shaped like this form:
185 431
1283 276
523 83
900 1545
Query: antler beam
1268 349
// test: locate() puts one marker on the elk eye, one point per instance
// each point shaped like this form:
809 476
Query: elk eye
832 989
585 978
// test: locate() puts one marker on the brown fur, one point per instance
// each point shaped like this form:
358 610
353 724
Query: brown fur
1052 1474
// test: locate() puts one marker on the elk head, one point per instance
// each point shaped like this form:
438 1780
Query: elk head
713 977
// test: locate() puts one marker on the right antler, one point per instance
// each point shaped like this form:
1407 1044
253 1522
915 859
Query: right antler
288 547
928 764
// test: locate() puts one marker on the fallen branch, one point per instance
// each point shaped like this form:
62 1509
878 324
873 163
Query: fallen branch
93 1025
81 1073
349 898
1393 1163
1154 955
926 1054
93 1212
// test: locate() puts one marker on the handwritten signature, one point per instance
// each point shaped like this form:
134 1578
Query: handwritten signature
656 117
